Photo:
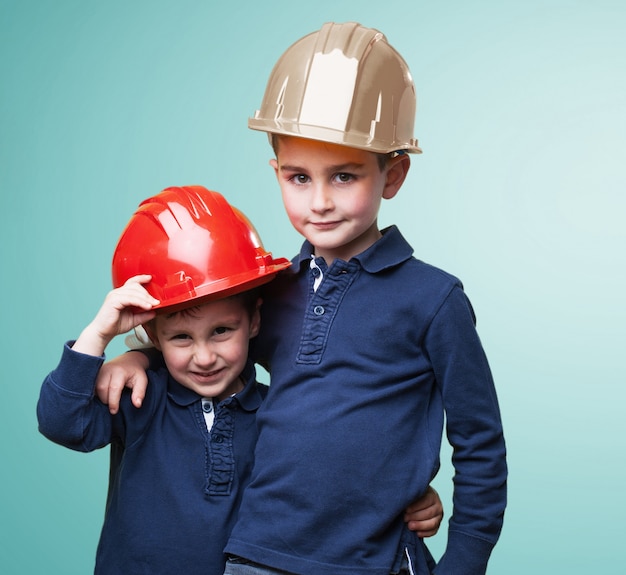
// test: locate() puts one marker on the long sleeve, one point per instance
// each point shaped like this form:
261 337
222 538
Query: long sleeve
68 412
474 430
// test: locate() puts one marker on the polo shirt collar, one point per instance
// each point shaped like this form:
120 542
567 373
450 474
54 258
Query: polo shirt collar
389 251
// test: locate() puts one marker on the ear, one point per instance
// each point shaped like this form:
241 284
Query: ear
149 328
396 172
274 164
255 320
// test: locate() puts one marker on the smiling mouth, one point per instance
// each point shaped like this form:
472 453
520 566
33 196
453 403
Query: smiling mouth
325 225
207 375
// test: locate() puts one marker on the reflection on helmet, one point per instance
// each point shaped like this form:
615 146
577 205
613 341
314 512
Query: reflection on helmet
343 84
195 245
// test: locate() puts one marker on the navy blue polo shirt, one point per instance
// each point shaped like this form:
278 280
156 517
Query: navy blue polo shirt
363 370
174 488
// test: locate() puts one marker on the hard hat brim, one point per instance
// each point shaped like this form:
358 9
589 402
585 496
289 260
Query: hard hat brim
222 288
342 138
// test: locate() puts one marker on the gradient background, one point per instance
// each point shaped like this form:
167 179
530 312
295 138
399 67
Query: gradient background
519 192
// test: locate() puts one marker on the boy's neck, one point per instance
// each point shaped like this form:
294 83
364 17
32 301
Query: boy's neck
347 252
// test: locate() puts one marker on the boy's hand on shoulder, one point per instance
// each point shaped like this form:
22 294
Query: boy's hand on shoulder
424 516
127 370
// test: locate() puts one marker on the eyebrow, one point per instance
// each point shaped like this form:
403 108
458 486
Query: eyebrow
348 166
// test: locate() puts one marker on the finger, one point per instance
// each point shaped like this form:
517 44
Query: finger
424 534
424 528
427 500
136 285
141 299
143 317
422 505
139 385
116 387
419 515
418 512
138 279
102 388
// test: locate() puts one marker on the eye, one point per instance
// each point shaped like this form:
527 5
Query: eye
221 330
180 336
300 179
344 177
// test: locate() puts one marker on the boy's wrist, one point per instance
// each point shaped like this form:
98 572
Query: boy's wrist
91 342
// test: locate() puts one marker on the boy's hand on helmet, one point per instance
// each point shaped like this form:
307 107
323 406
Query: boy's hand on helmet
123 309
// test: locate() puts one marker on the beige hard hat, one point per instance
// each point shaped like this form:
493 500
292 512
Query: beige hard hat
343 84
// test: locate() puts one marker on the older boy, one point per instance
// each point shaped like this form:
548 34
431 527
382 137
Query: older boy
368 347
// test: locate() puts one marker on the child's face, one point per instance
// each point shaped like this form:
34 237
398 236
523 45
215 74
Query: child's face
205 348
332 193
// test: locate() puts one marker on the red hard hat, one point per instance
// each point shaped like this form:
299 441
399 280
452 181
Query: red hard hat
195 245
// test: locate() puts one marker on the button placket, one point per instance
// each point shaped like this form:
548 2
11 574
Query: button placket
221 454
322 307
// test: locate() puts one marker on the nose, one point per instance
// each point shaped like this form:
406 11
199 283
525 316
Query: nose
321 198
204 355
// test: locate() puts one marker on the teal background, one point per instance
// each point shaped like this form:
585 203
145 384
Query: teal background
520 192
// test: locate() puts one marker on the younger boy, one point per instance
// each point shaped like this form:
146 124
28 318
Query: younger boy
180 464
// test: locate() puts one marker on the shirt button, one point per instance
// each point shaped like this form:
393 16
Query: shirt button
207 406
318 310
